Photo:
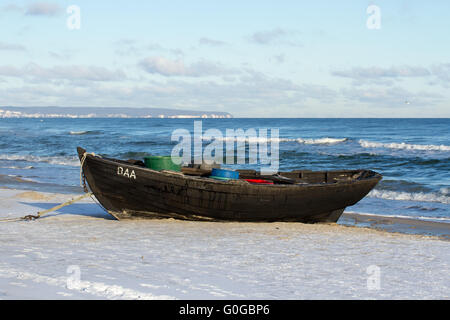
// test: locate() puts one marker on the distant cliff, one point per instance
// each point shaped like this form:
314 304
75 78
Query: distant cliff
98 112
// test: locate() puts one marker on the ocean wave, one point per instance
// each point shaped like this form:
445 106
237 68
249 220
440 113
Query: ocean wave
319 141
248 139
58 160
437 219
8 178
80 133
322 141
422 208
403 146
404 160
18 168
407 196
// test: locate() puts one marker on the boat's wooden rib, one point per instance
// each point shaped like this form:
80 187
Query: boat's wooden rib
128 190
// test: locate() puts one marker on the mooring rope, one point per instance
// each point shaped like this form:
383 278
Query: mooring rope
82 184
83 158
41 213
82 176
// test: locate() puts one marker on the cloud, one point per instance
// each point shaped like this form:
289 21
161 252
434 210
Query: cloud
35 73
61 55
11 47
163 66
437 73
43 9
131 47
126 47
392 97
279 58
276 36
167 67
378 72
267 37
250 94
11 8
211 42
441 71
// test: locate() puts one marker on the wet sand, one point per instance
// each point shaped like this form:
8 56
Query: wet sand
397 224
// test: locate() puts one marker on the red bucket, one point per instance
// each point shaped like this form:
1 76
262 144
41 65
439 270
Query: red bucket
259 181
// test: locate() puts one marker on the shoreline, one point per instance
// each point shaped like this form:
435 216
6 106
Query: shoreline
394 224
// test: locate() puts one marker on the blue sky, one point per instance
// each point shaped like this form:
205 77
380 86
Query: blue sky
249 58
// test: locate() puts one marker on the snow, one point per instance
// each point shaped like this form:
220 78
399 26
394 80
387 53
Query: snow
80 252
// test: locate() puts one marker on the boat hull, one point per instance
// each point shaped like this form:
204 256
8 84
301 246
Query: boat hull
132 192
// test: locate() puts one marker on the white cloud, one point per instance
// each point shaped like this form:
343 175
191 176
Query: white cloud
442 71
131 47
36 73
393 97
43 9
252 93
276 36
379 72
168 67
163 66
437 73
211 42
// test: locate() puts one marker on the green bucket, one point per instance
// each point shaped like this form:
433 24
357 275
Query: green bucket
159 163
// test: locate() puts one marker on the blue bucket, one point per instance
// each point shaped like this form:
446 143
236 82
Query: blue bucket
221 173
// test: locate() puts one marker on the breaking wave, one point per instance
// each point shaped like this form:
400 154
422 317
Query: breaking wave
65 161
441 197
403 146
436 219
322 140
80 133
319 141
18 168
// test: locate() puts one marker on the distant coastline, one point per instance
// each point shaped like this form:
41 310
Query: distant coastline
100 112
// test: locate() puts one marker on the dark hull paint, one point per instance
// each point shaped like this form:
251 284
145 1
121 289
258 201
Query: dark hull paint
145 193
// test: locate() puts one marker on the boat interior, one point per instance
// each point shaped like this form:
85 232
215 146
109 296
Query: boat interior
285 177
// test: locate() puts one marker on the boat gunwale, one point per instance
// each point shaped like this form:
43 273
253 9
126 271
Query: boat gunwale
376 177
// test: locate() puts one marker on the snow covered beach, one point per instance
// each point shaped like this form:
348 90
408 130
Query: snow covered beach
79 252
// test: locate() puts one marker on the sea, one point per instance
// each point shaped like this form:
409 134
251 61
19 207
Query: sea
413 155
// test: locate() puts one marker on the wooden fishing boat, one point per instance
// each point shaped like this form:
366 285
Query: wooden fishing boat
129 190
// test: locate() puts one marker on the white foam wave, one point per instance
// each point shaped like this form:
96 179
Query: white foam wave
438 219
20 178
266 139
406 196
65 161
321 140
248 139
403 146
18 168
78 133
